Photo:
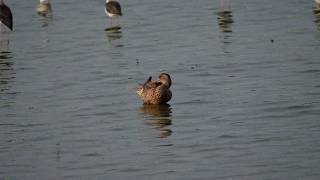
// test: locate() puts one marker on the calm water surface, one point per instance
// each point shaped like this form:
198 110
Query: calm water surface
246 94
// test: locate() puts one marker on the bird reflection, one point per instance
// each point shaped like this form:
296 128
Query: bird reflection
225 21
6 70
58 152
45 20
113 35
5 42
225 17
160 117
5 38
316 12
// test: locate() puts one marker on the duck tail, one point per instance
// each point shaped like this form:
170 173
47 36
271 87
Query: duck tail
148 80
139 89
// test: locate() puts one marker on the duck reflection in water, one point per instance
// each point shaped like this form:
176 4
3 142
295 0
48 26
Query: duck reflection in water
160 117
316 12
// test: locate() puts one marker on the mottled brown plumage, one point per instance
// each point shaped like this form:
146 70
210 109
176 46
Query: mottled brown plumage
5 15
156 92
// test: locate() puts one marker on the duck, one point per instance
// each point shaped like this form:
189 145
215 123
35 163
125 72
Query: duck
156 92
44 7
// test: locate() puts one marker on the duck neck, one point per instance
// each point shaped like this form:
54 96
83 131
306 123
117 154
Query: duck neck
167 83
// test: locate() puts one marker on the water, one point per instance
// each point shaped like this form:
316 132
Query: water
246 101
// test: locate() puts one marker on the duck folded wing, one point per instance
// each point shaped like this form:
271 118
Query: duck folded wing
148 85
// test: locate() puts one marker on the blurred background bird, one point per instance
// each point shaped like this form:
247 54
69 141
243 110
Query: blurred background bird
112 9
5 16
44 7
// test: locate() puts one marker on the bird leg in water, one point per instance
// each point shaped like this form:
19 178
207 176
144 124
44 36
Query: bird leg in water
223 5
110 22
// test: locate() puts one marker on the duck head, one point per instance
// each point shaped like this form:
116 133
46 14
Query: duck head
165 79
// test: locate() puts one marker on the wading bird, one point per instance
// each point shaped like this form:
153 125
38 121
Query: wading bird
112 9
5 15
44 7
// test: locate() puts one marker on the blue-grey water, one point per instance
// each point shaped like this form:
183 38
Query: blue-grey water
246 93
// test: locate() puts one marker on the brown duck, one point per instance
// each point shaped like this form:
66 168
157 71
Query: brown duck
156 92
